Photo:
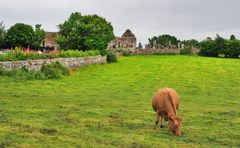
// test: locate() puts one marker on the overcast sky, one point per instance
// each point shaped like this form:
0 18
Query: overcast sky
185 19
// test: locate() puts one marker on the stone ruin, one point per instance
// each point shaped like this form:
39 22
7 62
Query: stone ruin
126 41
50 40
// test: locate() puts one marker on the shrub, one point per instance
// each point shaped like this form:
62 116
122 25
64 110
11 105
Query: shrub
22 74
111 57
208 48
54 71
229 48
126 53
48 71
232 48
103 52
186 51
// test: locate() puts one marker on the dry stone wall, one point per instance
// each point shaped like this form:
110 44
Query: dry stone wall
154 51
69 62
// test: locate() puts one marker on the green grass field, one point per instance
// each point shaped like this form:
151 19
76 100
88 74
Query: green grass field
110 105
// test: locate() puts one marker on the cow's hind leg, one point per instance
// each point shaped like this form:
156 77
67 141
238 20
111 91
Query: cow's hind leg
157 120
161 123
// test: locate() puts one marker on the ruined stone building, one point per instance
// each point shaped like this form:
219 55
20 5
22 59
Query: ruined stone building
127 40
50 40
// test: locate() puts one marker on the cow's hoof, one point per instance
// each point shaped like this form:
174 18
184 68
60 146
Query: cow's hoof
161 126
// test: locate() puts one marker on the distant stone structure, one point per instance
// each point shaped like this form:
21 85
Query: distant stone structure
50 40
126 41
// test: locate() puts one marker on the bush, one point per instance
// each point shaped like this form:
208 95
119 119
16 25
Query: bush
208 48
213 48
232 48
111 57
48 71
54 71
186 51
103 52
126 53
23 74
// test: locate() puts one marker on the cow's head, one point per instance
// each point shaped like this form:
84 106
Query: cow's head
175 125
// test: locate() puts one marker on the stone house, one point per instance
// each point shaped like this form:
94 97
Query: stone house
127 41
50 40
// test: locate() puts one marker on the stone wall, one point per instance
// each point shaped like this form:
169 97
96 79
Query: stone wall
154 51
69 62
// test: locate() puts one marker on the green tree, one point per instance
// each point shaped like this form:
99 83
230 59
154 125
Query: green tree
20 35
232 48
152 41
2 33
232 37
163 41
219 44
191 43
89 32
208 48
39 36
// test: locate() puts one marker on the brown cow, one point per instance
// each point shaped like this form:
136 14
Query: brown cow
165 103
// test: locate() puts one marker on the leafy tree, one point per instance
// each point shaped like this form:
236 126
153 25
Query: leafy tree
163 41
20 35
232 48
219 44
208 48
232 37
39 36
89 32
214 47
2 33
191 43
152 41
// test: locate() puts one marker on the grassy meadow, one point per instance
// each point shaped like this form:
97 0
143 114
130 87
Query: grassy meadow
109 105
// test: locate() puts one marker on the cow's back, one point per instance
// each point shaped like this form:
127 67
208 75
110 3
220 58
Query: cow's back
160 101
174 96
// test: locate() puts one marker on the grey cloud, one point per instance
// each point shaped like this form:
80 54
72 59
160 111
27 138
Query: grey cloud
184 18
